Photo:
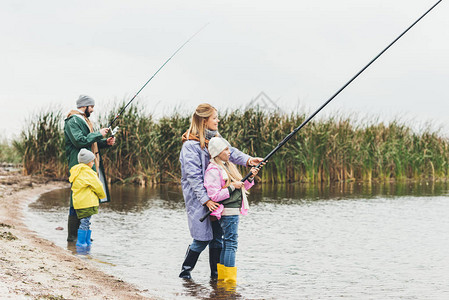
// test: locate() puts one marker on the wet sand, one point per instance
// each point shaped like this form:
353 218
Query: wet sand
34 268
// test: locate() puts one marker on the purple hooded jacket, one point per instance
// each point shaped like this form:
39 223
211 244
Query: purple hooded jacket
194 162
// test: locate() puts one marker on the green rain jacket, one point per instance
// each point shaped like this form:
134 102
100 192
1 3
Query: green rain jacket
77 136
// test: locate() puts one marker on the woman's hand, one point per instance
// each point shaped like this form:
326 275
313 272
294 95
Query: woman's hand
237 184
254 161
212 205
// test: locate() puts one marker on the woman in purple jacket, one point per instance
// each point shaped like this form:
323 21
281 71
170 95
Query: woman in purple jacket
194 158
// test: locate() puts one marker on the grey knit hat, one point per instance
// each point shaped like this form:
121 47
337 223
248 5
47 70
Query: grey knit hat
216 145
84 100
85 156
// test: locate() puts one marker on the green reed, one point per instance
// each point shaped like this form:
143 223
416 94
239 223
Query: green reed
41 145
328 150
8 153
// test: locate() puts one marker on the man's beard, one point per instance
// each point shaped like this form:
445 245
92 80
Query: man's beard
86 112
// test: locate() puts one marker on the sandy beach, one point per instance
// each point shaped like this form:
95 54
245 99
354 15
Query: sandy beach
34 268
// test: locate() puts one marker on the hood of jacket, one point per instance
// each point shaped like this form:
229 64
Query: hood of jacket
76 170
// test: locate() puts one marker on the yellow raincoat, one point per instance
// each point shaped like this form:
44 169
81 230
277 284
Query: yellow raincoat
86 187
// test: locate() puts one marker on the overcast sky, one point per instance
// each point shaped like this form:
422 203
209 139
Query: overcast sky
298 52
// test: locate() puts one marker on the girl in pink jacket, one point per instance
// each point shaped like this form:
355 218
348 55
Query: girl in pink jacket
222 181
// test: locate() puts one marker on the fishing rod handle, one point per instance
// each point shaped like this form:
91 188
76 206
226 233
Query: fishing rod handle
205 216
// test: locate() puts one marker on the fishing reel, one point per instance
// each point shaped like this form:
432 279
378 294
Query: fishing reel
114 131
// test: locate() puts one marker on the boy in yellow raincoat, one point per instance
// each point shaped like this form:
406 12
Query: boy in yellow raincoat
87 190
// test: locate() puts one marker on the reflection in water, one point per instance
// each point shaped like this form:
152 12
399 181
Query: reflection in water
289 193
216 290
71 246
353 241
125 199
135 199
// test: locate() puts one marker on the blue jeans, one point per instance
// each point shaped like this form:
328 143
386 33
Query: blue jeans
230 226
85 223
216 242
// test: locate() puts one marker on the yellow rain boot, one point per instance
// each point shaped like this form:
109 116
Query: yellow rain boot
221 271
231 274
230 280
222 274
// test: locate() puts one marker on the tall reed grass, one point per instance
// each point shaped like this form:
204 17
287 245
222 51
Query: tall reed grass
330 150
41 145
8 153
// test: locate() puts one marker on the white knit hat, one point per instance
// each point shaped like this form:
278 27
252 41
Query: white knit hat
85 156
216 145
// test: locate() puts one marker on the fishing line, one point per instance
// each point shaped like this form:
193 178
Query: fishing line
160 68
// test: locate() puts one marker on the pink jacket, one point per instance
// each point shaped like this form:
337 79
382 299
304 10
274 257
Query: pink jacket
214 183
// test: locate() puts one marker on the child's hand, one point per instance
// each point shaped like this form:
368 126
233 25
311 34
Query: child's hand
254 170
237 184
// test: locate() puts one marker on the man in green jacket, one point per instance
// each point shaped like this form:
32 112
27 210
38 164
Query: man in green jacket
79 133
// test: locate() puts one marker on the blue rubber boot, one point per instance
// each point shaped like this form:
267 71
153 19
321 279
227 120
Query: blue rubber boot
81 242
88 240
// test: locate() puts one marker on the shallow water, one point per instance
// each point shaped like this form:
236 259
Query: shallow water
298 242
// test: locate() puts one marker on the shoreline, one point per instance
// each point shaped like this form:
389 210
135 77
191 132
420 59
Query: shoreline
34 268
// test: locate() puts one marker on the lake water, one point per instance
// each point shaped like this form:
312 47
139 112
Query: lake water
388 241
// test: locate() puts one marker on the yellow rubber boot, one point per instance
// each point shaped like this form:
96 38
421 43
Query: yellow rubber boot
221 272
230 281
230 274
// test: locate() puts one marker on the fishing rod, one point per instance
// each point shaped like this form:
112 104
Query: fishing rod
114 131
288 137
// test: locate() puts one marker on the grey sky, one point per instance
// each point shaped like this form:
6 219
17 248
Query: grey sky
52 51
